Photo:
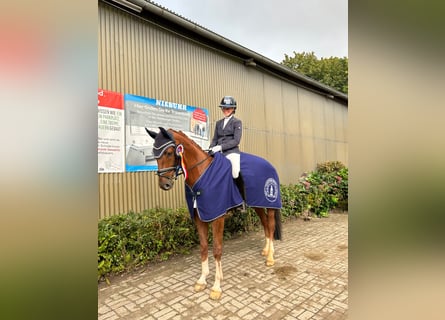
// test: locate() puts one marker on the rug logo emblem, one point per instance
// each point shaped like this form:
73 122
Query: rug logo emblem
271 190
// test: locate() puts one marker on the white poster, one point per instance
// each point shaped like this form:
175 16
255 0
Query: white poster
111 133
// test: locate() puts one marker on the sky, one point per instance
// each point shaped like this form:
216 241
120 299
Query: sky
273 28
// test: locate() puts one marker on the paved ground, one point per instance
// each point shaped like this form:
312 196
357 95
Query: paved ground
309 280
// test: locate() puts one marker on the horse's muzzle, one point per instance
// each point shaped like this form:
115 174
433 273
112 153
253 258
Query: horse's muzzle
167 185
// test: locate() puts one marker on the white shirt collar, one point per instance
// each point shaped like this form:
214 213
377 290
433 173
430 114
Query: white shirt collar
226 119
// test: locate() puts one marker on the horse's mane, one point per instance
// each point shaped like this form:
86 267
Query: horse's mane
182 134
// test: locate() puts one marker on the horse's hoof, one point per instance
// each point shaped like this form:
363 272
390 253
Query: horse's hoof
215 295
270 263
200 287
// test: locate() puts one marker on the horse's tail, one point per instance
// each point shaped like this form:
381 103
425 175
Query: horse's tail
277 231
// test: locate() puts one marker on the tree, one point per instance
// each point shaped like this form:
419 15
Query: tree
331 71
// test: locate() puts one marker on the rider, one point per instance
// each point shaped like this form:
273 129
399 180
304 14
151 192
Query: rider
226 139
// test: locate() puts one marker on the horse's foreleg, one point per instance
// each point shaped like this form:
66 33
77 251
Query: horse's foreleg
217 230
203 232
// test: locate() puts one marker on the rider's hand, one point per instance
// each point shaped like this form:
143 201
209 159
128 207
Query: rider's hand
216 149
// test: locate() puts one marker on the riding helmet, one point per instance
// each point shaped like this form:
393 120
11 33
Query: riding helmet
228 102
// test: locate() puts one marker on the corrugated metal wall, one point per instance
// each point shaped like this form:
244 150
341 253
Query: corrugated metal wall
290 126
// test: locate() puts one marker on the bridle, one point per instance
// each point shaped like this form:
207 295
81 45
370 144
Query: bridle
178 166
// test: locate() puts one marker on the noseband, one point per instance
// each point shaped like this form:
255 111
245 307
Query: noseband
177 168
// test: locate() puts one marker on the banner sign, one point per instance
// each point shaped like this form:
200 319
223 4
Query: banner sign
142 112
110 135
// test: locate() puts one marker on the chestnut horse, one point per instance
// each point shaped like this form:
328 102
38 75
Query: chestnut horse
177 154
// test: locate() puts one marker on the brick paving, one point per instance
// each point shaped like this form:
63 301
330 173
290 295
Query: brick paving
308 281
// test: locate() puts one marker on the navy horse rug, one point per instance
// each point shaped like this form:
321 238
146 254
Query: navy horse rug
215 192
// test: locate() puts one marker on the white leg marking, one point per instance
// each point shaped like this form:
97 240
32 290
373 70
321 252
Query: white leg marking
270 260
215 292
265 251
218 276
204 271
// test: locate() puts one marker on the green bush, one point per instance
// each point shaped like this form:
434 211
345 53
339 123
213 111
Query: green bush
318 192
334 181
294 200
130 240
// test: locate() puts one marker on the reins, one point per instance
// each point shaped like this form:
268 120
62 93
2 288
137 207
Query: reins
200 162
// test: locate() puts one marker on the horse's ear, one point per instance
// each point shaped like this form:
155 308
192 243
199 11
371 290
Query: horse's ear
166 134
151 133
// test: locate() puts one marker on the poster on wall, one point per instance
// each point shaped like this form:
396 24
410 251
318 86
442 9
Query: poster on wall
110 135
143 112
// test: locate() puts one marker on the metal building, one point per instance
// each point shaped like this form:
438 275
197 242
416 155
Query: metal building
144 49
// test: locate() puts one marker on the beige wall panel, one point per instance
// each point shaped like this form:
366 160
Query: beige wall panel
252 111
291 123
305 112
102 197
342 152
331 150
250 101
340 123
256 141
291 168
293 158
320 151
275 151
318 117
341 133
345 124
329 119
307 153
135 191
273 122
273 105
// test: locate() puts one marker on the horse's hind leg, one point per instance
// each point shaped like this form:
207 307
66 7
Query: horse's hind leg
270 261
263 218
217 230
203 232
268 222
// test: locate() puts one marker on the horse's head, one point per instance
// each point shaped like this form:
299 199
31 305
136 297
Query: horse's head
165 154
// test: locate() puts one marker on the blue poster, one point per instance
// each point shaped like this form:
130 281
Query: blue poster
142 112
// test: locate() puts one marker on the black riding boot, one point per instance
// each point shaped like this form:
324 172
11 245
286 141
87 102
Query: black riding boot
240 184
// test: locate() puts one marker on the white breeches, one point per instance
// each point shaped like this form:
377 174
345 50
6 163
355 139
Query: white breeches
235 160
